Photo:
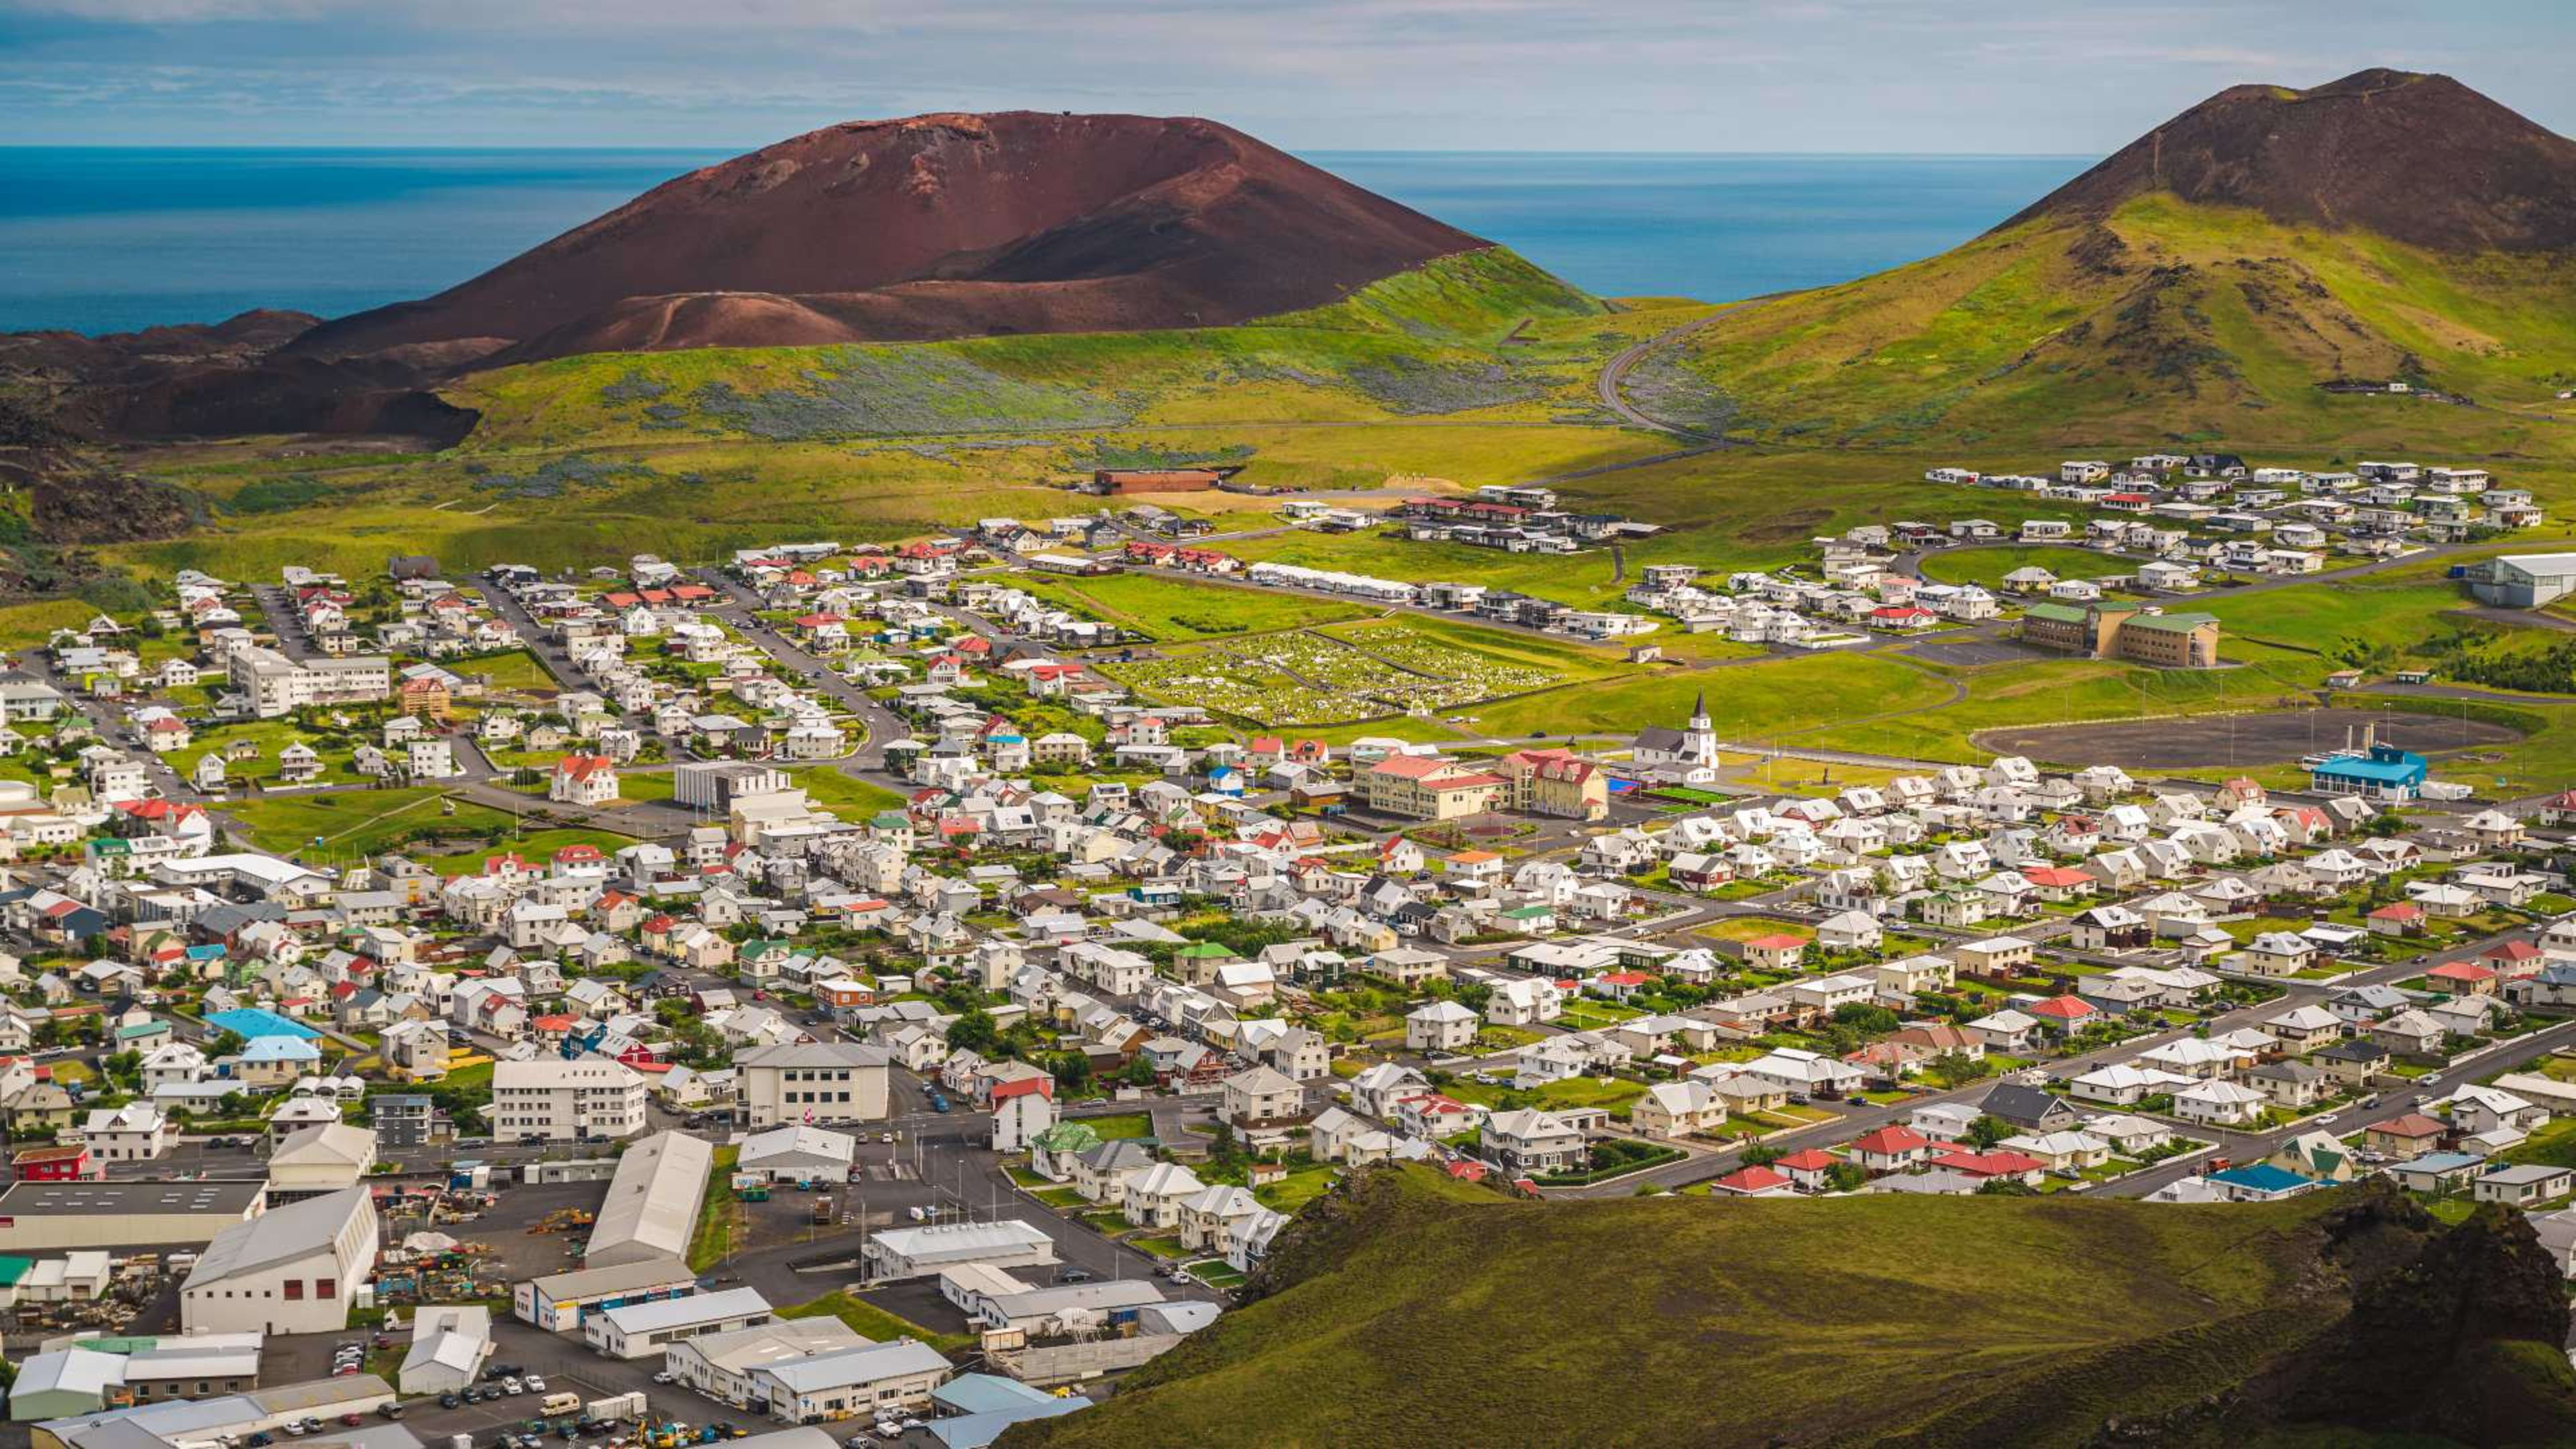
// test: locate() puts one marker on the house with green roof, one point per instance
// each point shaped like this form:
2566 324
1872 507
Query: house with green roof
1051 1152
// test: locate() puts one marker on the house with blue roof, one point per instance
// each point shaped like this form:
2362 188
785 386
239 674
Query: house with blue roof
250 1023
2261 1182
272 1062
2435 1171
2384 773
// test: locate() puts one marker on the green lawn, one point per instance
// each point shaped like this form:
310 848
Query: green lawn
1301 1186
874 1323
850 799
719 1216
1122 1125
1172 609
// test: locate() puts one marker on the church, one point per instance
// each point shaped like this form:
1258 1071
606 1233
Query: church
1683 756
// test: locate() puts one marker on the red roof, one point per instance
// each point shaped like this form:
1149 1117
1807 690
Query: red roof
1042 1086
2461 971
1625 978
2048 877
1809 1159
1891 1141
1991 1164
2413 1124
1779 942
1752 1179
2401 911
2511 951
2064 1008
582 767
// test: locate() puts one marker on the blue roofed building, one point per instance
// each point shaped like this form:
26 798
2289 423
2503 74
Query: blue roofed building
2261 1182
983 1405
2385 773
250 1023
272 1061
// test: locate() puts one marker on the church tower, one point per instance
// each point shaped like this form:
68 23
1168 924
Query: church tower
1699 742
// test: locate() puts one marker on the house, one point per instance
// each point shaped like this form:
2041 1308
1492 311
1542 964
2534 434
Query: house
2219 1103
1440 1026
1531 1143
2407 1136
583 780
2029 1108
2523 1186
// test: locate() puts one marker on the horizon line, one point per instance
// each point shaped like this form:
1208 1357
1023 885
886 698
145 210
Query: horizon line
642 149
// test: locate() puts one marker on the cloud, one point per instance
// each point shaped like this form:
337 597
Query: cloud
1850 75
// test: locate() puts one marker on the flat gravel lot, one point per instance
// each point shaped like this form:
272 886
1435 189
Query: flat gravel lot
2270 738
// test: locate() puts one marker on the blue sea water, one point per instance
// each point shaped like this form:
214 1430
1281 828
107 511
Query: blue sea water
108 240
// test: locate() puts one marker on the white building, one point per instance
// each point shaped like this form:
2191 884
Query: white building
811 1082
277 685
552 1100
920 1252
851 1382
641 1330
449 1343
290 1270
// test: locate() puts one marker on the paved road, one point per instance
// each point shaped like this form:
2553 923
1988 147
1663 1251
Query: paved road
1615 372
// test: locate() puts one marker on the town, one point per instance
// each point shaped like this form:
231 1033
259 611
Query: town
878 993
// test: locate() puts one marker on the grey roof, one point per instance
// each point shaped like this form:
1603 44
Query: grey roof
816 1054
871 1364
652 1205
2014 1102
277 1236
583 1283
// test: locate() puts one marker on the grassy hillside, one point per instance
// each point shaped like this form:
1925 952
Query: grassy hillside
2164 321
1460 335
1406 1311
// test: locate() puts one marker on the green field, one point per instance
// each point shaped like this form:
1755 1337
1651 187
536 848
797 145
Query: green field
1169 609
358 823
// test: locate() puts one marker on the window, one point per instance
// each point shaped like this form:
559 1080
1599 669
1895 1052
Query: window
326 1287
294 1290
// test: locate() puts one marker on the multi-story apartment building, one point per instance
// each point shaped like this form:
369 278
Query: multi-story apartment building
277 685
795 1083
561 1101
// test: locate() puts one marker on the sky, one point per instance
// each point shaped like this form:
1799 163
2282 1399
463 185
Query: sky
1886 76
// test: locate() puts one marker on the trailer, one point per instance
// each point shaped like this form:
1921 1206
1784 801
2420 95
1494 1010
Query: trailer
617 1406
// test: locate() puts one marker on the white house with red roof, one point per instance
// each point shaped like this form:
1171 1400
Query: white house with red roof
1890 1149
1753 1182
583 780
1022 1108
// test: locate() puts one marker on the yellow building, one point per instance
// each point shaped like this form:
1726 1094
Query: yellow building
1426 787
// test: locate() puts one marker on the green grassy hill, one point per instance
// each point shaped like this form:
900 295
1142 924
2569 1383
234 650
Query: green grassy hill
2161 321
1408 1310
1481 333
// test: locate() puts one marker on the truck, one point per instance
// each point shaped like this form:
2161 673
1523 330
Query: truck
823 1210
617 1406
563 1403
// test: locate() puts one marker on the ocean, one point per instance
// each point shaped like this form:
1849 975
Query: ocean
109 240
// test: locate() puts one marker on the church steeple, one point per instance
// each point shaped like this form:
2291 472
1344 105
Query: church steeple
1699 712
